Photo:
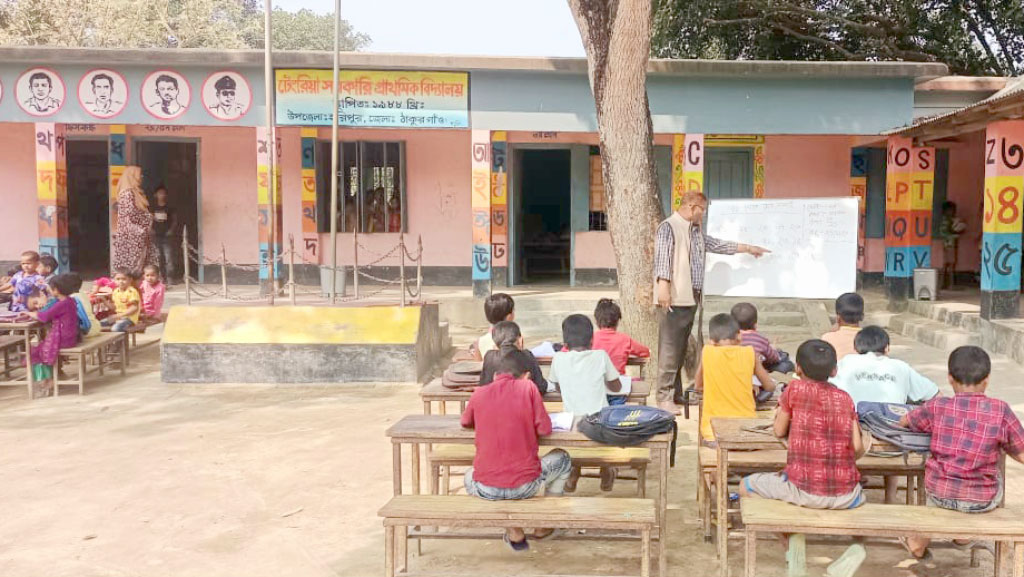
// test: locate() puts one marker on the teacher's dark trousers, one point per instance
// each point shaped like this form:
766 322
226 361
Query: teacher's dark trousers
674 327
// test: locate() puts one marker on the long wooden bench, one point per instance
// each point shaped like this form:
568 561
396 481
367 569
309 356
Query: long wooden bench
1003 526
104 350
10 345
404 511
441 458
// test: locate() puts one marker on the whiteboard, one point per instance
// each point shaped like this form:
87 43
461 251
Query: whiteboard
813 243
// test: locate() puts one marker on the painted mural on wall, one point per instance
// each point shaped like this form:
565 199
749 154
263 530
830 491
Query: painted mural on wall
103 93
373 98
40 92
226 95
166 94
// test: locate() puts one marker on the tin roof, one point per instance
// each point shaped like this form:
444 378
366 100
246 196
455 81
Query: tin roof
1007 103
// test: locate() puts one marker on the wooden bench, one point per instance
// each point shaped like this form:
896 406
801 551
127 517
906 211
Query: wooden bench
1003 526
441 458
459 511
10 345
106 349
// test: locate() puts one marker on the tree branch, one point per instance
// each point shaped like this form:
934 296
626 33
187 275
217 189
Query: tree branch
996 31
818 40
870 30
975 29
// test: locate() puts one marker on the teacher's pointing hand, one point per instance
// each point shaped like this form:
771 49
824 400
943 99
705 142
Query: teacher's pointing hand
754 250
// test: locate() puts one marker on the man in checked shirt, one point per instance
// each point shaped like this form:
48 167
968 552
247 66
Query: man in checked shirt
679 249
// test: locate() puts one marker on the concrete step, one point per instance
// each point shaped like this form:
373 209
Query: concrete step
931 332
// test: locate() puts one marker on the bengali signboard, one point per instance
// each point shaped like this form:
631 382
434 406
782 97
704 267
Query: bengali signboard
373 98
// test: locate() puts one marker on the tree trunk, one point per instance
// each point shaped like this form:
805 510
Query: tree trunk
617 38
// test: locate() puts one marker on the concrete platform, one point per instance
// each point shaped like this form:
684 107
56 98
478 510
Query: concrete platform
302 344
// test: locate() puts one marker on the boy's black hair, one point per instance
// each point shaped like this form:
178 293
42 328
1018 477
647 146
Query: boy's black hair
497 307
871 340
75 280
607 314
514 363
65 284
577 332
949 204
34 292
969 365
817 359
850 308
47 260
745 315
125 272
505 334
722 327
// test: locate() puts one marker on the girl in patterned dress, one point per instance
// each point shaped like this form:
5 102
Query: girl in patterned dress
62 332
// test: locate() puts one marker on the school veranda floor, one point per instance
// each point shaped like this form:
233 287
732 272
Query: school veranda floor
139 478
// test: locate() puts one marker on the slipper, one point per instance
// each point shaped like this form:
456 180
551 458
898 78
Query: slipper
974 544
516 545
926 556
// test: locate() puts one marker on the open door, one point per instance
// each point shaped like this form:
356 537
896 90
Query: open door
175 166
88 216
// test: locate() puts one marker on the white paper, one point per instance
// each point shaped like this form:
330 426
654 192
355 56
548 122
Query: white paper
545 349
627 386
561 421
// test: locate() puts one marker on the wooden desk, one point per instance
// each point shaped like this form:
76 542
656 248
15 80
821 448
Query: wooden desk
24 330
417 430
435 392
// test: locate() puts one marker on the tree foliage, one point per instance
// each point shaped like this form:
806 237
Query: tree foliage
983 37
165 24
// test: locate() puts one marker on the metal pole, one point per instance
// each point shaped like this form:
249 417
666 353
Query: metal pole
334 160
224 271
355 261
419 268
291 266
268 76
401 266
185 267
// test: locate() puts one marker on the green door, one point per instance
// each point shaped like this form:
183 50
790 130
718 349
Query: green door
729 173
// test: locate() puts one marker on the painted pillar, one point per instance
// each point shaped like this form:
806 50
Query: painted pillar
859 188
117 159
758 170
52 192
310 238
480 190
1001 227
922 190
499 202
687 166
898 222
263 152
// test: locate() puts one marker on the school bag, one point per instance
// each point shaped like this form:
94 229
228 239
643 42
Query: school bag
882 421
628 425
462 375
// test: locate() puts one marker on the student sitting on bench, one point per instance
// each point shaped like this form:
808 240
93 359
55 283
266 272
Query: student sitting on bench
774 360
509 416
619 346
968 431
508 338
849 314
497 307
871 375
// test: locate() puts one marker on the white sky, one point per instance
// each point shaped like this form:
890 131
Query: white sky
485 27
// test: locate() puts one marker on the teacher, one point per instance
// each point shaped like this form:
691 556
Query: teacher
679 248
133 242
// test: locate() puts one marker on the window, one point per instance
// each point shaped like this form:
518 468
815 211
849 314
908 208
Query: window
598 218
371 191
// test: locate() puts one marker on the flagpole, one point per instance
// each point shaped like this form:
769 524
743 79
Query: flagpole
334 158
268 75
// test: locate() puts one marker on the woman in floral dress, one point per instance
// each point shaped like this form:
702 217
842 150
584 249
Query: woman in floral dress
134 247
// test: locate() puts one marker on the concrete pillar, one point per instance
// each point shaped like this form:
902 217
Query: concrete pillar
117 159
480 191
52 192
499 208
859 188
1001 226
310 239
268 249
687 166
899 254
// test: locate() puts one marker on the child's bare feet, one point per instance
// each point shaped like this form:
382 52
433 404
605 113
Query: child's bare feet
543 533
516 539
42 389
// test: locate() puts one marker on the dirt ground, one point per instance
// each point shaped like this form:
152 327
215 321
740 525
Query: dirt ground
139 478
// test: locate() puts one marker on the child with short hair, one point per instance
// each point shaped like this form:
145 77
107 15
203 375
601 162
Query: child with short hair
725 374
47 267
152 294
968 432
61 333
88 325
127 303
871 375
497 307
508 416
772 358
508 338
23 282
849 314
607 338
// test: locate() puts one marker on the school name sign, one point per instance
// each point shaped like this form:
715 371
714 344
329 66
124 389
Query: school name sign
373 98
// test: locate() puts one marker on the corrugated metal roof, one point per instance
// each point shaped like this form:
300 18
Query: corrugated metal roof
1013 91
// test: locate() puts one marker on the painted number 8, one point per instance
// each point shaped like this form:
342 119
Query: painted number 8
1008 211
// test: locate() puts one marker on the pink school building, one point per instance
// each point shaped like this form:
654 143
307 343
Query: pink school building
492 162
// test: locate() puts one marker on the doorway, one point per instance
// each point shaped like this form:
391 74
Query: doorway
729 173
88 208
543 199
175 166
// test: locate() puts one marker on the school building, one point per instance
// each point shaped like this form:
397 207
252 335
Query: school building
492 161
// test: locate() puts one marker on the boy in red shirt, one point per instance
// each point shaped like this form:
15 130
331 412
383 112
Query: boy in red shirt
968 431
509 416
607 338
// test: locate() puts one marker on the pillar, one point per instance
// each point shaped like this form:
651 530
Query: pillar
310 238
480 190
1001 225
499 204
687 166
117 159
52 192
269 244
898 265
859 188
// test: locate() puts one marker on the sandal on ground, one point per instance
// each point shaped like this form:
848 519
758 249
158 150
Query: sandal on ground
518 546
926 556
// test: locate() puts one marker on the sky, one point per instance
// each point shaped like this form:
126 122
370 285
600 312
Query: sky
484 27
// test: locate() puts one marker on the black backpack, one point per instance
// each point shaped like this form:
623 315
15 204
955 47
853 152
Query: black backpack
629 425
882 421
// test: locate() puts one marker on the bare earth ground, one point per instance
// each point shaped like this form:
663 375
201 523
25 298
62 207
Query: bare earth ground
139 478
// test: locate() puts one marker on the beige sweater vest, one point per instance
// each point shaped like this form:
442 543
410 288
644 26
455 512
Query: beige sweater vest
681 289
